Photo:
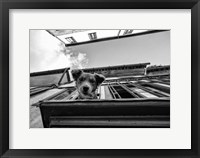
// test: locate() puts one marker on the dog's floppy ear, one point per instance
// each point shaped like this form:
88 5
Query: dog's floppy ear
99 78
76 74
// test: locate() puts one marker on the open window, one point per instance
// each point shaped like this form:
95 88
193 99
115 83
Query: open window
46 80
122 102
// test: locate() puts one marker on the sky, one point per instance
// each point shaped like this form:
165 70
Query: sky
48 53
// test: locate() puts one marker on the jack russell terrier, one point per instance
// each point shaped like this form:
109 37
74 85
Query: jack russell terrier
87 83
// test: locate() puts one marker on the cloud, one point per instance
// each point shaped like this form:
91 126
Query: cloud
76 59
47 53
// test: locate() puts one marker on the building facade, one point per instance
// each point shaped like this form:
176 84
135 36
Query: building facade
131 96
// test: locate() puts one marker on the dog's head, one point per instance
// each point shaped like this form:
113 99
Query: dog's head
87 83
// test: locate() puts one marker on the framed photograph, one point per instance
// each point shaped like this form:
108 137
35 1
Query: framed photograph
98 79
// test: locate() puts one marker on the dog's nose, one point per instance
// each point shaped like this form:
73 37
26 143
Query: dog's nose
85 88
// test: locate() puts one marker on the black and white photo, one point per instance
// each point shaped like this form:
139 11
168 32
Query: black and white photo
104 78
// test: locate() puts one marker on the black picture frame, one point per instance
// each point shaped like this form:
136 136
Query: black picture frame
5 5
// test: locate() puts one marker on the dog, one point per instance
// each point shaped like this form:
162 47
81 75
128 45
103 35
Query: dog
87 83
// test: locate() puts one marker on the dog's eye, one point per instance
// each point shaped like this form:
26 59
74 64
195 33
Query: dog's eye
82 79
92 80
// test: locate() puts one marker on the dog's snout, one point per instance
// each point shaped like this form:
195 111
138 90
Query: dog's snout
85 88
